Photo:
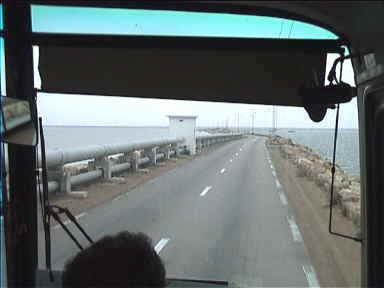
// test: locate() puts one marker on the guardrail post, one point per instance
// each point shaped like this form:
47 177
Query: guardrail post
166 150
176 147
133 159
61 176
121 159
65 183
199 146
105 164
91 165
151 154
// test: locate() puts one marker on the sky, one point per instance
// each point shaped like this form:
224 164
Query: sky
59 109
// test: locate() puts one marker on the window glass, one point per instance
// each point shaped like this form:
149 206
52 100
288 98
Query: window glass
250 211
169 23
1 16
229 212
2 67
3 270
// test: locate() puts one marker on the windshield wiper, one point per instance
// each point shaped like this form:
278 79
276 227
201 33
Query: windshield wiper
54 211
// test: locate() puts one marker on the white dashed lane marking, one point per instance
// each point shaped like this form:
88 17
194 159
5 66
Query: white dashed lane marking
80 215
278 185
311 276
205 191
294 229
161 244
283 198
65 223
222 171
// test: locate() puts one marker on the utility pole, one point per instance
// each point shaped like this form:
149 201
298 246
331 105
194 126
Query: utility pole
238 122
274 119
253 121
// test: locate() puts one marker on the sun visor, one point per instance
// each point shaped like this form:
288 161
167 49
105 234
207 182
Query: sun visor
238 76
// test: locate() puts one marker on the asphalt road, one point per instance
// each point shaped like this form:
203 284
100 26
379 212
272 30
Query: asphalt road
220 217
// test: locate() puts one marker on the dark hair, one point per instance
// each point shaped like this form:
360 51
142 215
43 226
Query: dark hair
124 260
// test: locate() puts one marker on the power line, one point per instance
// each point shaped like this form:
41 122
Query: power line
281 27
290 30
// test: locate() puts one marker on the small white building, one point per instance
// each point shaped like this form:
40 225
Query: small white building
184 126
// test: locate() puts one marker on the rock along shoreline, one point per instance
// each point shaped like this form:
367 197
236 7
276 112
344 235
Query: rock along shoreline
310 165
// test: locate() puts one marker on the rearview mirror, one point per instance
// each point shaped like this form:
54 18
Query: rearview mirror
317 100
17 122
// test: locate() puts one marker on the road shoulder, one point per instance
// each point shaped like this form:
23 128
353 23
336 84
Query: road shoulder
335 260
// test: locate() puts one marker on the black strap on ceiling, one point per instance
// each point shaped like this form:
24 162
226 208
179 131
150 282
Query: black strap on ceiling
331 78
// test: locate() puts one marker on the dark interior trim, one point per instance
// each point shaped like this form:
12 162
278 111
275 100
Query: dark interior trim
374 197
21 220
216 43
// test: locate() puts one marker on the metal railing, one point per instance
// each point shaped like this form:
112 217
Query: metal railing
102 161
205 141
64 156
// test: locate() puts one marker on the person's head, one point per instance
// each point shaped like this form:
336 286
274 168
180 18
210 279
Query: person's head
124 260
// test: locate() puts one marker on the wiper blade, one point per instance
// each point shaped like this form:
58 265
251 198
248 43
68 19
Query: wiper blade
55 211
177 282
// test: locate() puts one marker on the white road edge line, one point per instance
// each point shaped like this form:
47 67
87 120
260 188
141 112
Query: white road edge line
161 244
283 198
311 276
205 191
66 222
278 185
294 229
80 215
273 173
222 171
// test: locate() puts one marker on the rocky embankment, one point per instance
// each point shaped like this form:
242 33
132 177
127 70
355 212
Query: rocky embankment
346 188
